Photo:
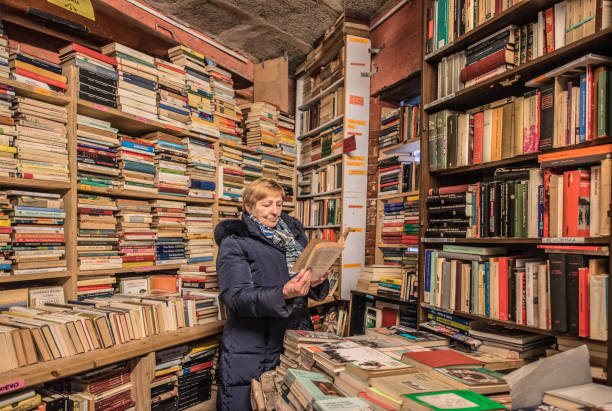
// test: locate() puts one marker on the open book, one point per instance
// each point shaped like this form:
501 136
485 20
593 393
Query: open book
319 255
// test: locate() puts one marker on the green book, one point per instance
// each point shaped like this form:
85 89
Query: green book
518 210
457 400
442 23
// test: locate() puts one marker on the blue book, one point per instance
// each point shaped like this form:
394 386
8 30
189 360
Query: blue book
427 270
199 259
174 110
583 107
137 83
45 65
541 211
110 150
90 140
387 285
94 68
138 79
136 146
432 280
486 289
50 210
172 145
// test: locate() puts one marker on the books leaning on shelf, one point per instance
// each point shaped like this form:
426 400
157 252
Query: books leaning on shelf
528 202
321 179
398 173
97 154
568 107
97 238
561 293
36 71
319 212
231 175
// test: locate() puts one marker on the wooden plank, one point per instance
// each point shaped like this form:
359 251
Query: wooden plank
64 367
26 184
22 89
32 277
113 271
116 192
143 373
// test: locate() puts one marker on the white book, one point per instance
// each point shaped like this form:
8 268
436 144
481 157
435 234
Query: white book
486 135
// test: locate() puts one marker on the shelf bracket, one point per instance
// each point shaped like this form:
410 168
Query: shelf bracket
369 73
378 50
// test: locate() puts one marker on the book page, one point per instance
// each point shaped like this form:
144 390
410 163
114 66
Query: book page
322 259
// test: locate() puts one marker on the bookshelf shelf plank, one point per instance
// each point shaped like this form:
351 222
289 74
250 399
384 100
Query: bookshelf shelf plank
320 161
524 158
547 240
113 271
315 99
315 227
322 127
518 14
326 193
51 370
26 184
327 300
22 89
407 87
405 246
141 195
32 277
231 203
242 147
403 147
511 82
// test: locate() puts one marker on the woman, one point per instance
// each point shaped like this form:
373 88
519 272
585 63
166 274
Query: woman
263 298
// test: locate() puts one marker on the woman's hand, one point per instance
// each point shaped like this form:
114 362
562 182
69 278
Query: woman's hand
298 285
321 279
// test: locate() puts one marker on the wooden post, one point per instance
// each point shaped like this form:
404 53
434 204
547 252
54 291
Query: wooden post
143 373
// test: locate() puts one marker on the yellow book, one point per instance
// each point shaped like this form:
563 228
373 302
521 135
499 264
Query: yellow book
38 70
138 264
391 280
8 149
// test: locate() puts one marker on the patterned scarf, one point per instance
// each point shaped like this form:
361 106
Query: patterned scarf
282 237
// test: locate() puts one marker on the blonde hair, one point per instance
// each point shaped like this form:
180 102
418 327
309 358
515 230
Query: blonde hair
260 189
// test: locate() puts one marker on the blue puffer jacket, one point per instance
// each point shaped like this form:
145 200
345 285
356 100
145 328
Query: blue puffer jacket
252 272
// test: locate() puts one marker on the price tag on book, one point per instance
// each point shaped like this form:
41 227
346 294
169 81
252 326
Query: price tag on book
85 187
563 240
42 91
141 119
11 386
100 107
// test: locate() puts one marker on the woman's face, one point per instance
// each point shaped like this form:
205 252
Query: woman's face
268 210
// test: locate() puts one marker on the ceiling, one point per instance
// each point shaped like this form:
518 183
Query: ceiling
261 29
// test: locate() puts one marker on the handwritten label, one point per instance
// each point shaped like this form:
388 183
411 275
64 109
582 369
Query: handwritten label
356 230
356 172
99 107
141 119
175 128
358 158
85 187
350 126
355 163
355 206
355 265
358 64
80 7
358 40
357 122
12 386
353 133
42 91
355 100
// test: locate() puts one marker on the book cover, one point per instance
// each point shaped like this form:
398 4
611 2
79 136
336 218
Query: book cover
441 358
458 400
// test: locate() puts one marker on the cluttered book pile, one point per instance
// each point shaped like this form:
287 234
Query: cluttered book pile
399 368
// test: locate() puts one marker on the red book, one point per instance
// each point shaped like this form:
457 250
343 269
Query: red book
88 52
550 30
478 129
389 168
502 264
546 214
487 64
389 317
462 188
576 198
94 287
442 358
160 64
583 302
523 301
40 78
137 258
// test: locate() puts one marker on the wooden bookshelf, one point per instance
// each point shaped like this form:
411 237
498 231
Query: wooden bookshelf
28 184
315 99
38 93
117 192
509 83
143 270
315 303
63 367
398 195
323 160
315 131
5 279
404 88
404 146
324 194
359 302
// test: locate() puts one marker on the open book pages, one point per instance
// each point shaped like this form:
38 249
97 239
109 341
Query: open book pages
319 255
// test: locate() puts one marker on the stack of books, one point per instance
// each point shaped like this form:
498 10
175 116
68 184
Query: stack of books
172 106
372 274
393 223
260 124
271 166
411 121
95 287
390 122
331 106
512 344
198 277
8 133
231 176
226 110
97 238
137 238
227 212
169 224
137 164
286 178
451 212
97 153
104 388
5 234
171 164
199 231
35 71
196 374
201 167
319 212
37 221
286 131
306 151
97 74
137 84
164 388
199 92
4 53
252 166
337 143
42 140
396 174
